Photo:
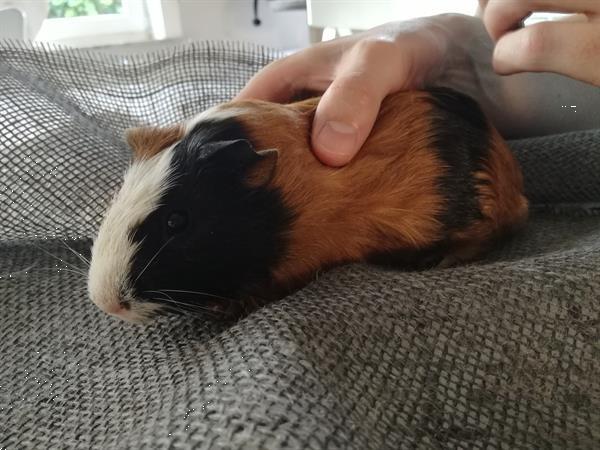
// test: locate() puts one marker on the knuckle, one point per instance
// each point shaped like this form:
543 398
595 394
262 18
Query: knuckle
536 40
374 48
494 17
279 64
353 91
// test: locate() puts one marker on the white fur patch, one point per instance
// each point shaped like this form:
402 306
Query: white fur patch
113 250
216 113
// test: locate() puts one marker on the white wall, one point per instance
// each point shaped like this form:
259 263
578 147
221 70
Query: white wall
11 24
232 20
365 14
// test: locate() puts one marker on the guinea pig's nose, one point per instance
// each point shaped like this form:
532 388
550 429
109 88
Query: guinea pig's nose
117 308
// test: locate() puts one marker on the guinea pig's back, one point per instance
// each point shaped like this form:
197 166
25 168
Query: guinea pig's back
433 177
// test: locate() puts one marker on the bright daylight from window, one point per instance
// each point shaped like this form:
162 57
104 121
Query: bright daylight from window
75 8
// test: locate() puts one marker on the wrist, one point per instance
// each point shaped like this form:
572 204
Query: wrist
467 49
443 49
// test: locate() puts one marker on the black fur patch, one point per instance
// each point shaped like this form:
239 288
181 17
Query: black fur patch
411 259
462 140
234 233
212 131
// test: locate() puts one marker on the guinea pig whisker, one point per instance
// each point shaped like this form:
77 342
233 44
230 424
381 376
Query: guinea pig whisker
79 255
54 269
56 257
164 294
153 258
185 308
161 293
18 272
171 299
61 269
204 294
168 306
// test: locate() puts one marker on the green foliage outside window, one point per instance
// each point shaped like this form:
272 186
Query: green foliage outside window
74 8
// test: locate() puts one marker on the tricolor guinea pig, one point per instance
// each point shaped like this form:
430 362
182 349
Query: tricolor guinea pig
232 209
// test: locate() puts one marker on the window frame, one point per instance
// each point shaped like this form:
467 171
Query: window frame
139 21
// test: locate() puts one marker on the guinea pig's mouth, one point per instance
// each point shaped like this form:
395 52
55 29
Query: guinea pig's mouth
145 307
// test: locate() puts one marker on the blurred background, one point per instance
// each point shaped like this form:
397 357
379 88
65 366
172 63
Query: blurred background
145 24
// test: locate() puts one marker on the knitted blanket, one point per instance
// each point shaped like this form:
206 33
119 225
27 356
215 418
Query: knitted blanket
502 353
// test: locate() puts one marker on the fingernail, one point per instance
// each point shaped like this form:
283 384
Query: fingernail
337 137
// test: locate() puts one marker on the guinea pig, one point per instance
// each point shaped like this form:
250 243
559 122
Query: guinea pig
232 209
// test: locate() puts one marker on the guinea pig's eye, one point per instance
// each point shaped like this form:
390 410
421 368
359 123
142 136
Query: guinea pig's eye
177 221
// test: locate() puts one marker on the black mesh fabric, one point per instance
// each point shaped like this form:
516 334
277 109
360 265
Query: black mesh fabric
504 353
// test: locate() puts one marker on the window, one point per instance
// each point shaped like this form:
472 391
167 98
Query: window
77 8
543 17
86 23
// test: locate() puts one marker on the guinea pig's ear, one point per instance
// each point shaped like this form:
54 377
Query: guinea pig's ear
263 171
240 155
145 142
237 153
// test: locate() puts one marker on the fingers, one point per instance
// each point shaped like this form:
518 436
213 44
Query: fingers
481 5
310 70
571 49
279 81
349 107
356 73
501 16
274 83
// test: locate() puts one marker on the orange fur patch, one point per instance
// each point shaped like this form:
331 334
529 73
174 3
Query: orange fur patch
146 142
385 199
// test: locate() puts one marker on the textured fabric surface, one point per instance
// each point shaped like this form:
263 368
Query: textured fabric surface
504 353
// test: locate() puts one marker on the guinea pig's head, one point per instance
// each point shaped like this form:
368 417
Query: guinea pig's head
195 227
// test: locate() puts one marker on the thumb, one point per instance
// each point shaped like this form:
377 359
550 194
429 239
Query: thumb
344 118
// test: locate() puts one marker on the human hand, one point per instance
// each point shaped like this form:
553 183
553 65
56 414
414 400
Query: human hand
570 47
356 73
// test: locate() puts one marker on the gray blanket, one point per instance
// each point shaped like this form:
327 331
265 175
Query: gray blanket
504 353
